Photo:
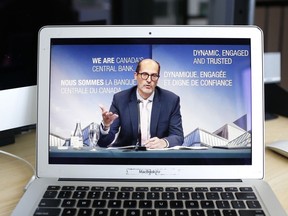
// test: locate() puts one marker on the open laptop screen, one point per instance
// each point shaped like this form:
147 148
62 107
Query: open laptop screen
211 76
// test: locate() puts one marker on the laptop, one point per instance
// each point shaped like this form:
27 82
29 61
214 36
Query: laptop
217 72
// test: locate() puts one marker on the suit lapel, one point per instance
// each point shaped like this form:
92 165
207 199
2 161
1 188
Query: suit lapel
133 111
155 114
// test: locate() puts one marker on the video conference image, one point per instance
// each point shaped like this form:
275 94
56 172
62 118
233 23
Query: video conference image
197 94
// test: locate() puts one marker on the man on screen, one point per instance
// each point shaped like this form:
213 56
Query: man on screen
144 114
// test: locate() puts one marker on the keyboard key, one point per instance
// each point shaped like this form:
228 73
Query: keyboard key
123 195
127 189
212 196
213 213
142 189
253 204
114 203
153 195
246 189
108 195
69 212
53 187
84 203
191 204
47 211
85 212
68 188
181 213
229 213
216 189
175 189
150 212
68 203
246 196
197 213
79 194
49 203
176 204
145 204
168 195
130 204
165 212
197 195
118 212
84 188
133 212
64 194
93 195
231 189
112 189
157 189
138 195
183 195
207 204
227 195
97 188
186 189
251 213
50 194
101 212
161 204
201 189
99 203
222 204
238 204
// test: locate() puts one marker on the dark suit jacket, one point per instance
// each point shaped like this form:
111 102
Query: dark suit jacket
166 120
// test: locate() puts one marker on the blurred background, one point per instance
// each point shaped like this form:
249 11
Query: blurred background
20 21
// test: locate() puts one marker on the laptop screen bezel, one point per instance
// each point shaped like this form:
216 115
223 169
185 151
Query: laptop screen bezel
46 169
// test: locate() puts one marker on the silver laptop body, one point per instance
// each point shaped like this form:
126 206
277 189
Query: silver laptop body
217 73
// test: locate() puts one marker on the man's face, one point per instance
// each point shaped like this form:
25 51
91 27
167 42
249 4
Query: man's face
147 86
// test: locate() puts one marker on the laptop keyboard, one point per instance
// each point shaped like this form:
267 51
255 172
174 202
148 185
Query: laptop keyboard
149 201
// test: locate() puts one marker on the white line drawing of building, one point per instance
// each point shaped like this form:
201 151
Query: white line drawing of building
232 135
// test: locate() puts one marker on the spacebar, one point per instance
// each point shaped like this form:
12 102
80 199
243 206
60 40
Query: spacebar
47 211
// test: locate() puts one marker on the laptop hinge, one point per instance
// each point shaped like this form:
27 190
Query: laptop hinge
149 180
